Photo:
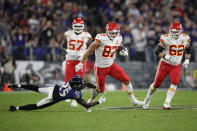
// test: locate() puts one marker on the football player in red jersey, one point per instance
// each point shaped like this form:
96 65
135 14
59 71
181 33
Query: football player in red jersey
105 46
170 50
75 43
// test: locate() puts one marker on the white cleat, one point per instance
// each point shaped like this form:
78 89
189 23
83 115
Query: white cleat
137 102
89 109
146 103
67 100
166 106
74 103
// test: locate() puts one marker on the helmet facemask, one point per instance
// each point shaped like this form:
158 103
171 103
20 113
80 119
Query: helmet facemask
78 25
112 30
112 34
175 30
78 28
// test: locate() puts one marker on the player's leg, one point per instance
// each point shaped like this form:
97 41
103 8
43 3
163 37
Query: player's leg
82 74
41 104
69 70
162 71
26 86
174 75
118 73
100 76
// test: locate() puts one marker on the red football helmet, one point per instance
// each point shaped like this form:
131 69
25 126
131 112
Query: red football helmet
78 25
175 30
112 30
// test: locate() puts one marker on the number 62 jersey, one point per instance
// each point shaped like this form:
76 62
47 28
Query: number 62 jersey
105 53
175 47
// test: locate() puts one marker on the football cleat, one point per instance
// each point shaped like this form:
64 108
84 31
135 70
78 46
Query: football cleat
166 106
13 86
146 103
137 102
67 100
74 103
12 108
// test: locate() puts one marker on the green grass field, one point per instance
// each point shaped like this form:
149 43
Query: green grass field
62 117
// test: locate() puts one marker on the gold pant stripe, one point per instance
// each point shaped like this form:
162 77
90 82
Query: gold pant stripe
130 93
172 89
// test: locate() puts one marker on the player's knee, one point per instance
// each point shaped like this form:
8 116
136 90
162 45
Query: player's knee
127 82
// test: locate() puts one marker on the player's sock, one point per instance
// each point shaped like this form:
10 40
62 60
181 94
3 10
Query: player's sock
148 97
28 107
129 89
151 91
170 94
30 87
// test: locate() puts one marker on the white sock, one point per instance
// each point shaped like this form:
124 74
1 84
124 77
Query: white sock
170 93
151 91
17 108
129 89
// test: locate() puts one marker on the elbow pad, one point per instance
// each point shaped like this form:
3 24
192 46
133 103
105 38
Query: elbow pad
188 50
159 50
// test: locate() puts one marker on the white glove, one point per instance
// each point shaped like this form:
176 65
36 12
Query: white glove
124 52
101 100
186 63
79 67
170 58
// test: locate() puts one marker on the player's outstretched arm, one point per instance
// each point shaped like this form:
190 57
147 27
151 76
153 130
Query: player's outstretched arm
88 105
90 85
89 51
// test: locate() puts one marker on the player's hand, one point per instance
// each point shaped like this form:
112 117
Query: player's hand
170 58
79 67
124 52
186 63
101 100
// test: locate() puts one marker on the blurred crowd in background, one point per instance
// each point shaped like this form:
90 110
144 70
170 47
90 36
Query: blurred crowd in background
33 29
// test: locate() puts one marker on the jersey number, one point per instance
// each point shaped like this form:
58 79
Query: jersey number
109 51
173 50
63 90
72 44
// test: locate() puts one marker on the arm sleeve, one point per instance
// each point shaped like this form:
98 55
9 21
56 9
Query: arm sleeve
85 104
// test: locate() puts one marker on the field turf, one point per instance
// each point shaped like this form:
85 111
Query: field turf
115 115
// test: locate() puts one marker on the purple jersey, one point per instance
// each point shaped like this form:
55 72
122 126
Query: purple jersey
62 92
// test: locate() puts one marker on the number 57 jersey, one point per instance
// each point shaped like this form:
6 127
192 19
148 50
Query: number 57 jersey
76 44
175 47
105 53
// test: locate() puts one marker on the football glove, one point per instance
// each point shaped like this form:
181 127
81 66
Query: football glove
79 67
101 100
170 58
186 63
124 52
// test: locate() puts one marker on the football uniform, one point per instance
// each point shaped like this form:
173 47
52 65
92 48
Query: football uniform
175 48
76 47
104 64
62 92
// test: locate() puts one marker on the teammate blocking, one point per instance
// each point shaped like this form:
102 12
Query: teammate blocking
170 50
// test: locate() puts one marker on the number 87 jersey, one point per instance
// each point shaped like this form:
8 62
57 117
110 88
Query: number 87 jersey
105 53
175 47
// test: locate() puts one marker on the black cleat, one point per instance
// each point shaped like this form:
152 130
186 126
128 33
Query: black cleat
13 86
12 108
